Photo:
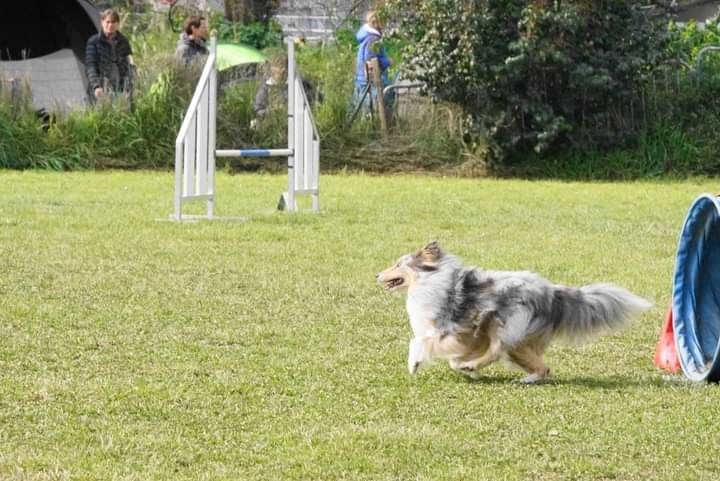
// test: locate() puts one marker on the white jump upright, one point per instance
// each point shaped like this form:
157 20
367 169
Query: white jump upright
195 143
195 148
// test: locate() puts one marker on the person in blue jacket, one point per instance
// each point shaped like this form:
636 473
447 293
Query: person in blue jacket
369 38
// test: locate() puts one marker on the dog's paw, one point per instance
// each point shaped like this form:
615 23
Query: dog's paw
466 367
455 366
473 374
535 378
416 355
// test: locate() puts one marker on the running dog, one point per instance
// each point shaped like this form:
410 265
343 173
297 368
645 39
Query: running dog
472 317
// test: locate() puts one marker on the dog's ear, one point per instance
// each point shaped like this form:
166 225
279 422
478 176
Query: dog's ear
431 253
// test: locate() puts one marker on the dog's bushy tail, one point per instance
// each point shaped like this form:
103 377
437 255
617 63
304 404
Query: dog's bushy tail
594 309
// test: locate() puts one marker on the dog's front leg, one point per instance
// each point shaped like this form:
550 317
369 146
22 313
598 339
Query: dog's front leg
417 354
431 345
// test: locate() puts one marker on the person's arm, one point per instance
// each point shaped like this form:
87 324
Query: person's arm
130 82
379 52
383 60
91 67
129 66
260 105
376 50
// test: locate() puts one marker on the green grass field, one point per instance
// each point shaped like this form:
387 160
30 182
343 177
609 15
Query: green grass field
133 348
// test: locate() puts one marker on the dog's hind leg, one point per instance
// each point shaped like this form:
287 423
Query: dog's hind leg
529 357
493 353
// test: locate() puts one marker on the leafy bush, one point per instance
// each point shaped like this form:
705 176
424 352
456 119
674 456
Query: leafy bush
539 76
691 100
688 39
256 34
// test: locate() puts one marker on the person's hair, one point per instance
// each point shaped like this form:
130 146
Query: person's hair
114 16
194 21
374 19
278 61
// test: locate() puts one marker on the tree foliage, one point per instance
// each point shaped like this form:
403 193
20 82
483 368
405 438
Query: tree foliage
538 75
249 10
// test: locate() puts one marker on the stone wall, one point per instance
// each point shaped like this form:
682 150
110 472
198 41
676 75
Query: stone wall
697 10
317 19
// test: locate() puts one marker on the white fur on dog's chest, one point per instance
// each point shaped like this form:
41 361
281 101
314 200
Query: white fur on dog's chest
421 321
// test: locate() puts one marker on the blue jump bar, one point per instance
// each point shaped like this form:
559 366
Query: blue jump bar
254 153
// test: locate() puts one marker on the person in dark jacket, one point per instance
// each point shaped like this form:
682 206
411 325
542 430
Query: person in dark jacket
191 45
107 59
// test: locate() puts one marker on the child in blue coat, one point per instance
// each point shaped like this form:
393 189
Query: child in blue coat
369 38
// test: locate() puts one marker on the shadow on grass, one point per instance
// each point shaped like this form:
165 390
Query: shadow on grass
609 383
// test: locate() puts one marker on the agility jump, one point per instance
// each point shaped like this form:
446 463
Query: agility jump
195 149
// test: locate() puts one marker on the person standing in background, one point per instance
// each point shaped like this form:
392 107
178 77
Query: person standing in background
107 59
369 38
191 45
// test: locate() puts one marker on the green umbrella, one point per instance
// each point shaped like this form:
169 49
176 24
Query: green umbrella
230 55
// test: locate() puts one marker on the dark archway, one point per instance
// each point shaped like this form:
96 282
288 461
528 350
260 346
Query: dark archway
35 28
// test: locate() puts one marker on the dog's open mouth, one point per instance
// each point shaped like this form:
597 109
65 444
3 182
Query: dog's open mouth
393 283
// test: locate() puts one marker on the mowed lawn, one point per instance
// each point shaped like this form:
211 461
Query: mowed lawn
133 348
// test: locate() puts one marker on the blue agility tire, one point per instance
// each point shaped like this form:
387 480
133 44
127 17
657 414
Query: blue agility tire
696 291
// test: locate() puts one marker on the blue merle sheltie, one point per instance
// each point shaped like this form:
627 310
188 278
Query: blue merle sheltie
473 317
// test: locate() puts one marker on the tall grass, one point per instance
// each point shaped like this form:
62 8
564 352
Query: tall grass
113 133
25 142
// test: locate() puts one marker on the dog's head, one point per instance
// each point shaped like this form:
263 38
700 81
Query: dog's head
409 267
